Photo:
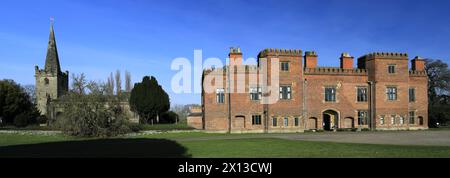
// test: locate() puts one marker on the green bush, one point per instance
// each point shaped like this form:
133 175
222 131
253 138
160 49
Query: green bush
15 101
169 117
92 116
22 120
42 119
135 127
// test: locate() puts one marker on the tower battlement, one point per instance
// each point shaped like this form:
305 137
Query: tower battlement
385 55
280 52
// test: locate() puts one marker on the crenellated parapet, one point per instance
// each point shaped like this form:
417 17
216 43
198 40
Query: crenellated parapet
335 71
415 73
280 52
236 69
389 55
43 72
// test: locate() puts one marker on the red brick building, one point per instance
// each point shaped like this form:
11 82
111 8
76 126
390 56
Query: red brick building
381 93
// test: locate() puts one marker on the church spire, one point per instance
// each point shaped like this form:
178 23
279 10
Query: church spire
52 59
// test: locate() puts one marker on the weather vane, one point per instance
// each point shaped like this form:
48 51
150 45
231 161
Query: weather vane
52 20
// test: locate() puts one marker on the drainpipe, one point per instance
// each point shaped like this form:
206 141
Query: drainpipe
372 121
305 117
229 99
266 106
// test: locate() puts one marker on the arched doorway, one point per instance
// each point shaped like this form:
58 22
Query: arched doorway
330 120
421 120
349 122
312 123
239 122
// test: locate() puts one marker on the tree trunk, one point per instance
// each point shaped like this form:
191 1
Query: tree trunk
157 118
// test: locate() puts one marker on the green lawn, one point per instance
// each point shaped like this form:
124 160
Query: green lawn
278 148
17 139
182 145
179 126
30 127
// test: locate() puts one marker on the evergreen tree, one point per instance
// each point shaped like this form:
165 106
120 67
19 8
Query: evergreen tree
149 100
14 101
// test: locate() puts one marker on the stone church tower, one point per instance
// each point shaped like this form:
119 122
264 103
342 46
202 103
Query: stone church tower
51 83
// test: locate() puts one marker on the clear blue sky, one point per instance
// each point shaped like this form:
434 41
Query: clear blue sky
143 36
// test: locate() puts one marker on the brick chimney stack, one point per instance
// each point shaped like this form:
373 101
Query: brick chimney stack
418 64
346 61
235 56
310 59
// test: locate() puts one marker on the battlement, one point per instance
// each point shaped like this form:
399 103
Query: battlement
42 72
235 50
389 55
415 73
311 53
280 52
334 71
223 70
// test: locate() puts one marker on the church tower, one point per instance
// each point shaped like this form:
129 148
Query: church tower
51 83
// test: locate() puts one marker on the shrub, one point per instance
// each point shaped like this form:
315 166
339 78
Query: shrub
15 101
135 127
21 120
168 117
42 119
92 116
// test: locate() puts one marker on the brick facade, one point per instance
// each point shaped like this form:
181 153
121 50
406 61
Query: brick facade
323 98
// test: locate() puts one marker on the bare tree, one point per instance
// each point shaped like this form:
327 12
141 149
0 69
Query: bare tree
118 83
79 83
97 88
110 85
31 91
127 81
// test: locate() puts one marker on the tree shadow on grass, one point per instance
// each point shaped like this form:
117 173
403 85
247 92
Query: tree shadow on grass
99 148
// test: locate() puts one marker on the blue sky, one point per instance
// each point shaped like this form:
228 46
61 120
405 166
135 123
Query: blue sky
144 36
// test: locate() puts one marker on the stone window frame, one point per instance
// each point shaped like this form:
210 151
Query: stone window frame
367 93
286 121
364 122
324 88
218 93
289 93
382 119
401 120
259 93
288 66
393 120
46 81
296 121
414 99
388 93
254 121
274 121
393 67
413 118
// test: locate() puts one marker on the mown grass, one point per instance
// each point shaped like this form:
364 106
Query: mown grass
278 148
179 126
30 127
231 146
19 139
